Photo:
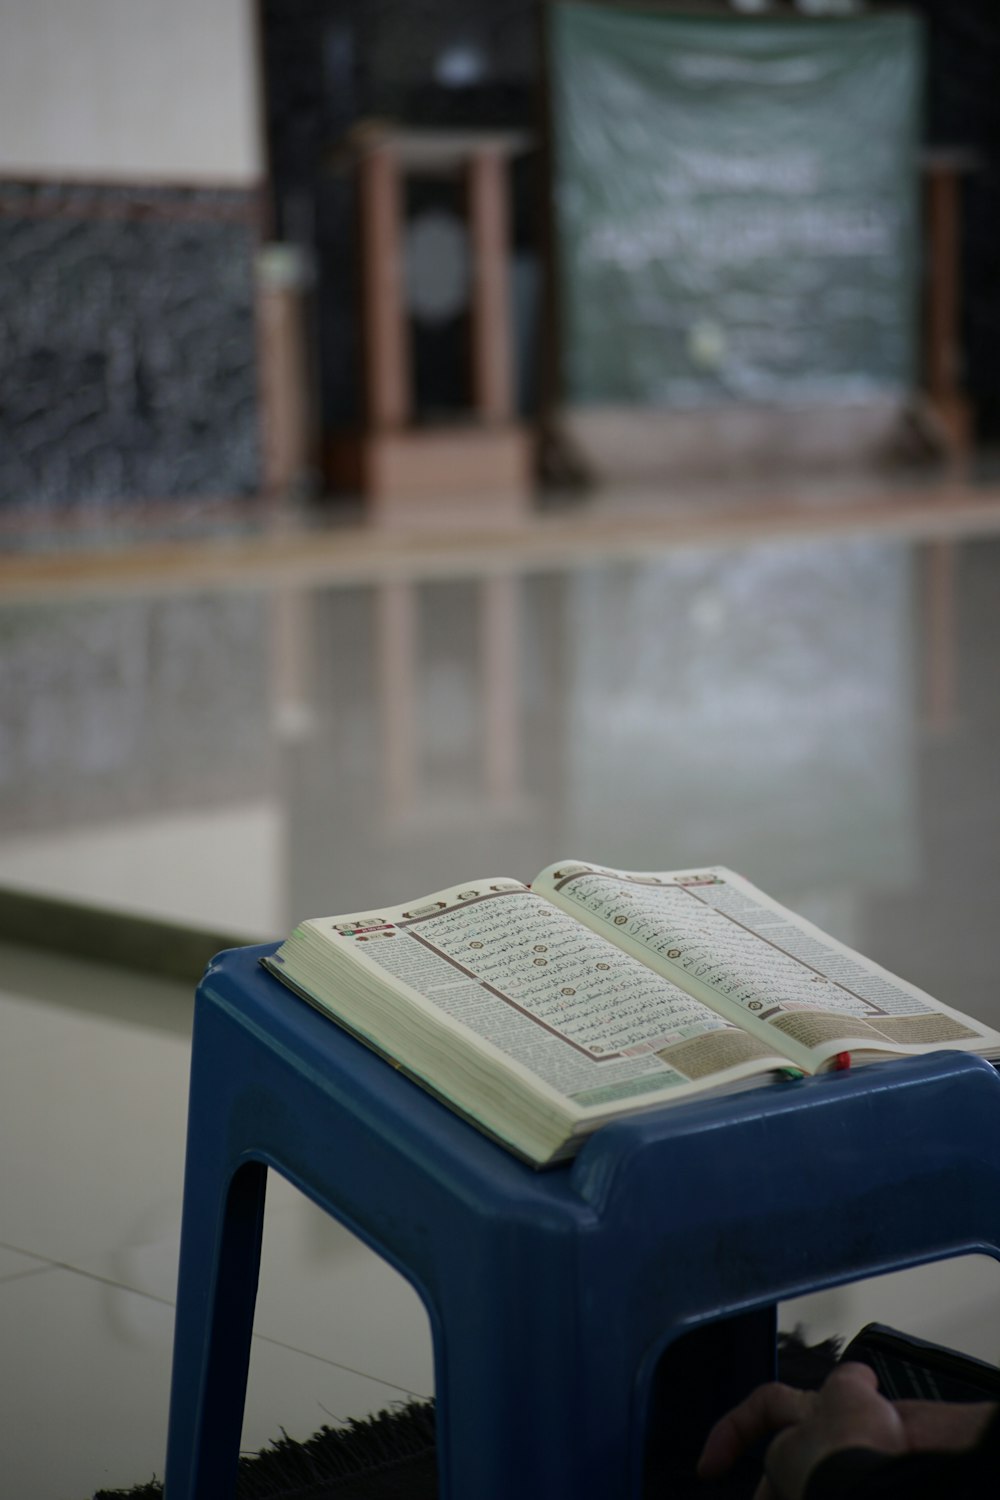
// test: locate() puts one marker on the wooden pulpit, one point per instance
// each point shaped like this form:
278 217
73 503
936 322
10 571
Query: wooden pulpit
478 465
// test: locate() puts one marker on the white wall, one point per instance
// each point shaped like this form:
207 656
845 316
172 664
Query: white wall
126 89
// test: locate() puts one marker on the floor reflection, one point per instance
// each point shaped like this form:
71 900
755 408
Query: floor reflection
816 713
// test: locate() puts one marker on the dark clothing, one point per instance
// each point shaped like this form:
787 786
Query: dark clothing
861 1474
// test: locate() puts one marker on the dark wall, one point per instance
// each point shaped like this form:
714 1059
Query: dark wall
329 62
963 99
128 358
434 63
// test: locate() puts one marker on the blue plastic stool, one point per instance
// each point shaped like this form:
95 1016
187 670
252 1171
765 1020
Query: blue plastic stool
553 1295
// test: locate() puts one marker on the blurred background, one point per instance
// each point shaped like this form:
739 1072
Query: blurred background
437 439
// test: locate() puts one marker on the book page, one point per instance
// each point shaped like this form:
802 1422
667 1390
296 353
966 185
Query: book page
727 942
582 1017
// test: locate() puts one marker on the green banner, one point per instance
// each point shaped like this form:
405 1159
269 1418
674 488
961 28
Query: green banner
737 206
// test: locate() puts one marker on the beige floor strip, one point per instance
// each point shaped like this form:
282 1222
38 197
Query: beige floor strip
618 527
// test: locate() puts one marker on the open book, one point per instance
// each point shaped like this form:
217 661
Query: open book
540 1013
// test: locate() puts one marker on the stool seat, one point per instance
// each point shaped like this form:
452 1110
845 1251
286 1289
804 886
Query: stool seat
554 1297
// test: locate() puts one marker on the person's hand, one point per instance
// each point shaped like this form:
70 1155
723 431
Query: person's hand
847 1412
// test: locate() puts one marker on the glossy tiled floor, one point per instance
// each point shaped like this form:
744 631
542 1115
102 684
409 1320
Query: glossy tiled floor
817 707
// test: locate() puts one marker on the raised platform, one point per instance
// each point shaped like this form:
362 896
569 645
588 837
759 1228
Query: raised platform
618 444
437 473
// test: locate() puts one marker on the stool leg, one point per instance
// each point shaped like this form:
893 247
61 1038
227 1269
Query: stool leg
698 1378
217 1292
531 1442
539 1396
528 1404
